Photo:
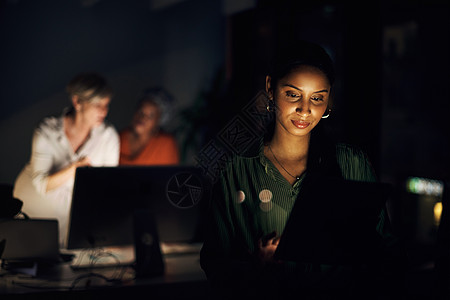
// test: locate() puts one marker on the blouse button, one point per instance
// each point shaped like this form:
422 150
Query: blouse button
240 196
265 196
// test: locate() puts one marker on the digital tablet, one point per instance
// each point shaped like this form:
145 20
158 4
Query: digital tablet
334 222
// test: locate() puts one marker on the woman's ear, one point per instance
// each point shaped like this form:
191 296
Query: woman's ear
269 89
76 102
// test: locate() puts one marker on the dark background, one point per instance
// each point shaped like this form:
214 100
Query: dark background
392 62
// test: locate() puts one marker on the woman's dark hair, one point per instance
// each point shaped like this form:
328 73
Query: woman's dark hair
161 98
299 53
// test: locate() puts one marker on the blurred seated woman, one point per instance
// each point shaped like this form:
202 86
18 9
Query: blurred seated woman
143 142
79 137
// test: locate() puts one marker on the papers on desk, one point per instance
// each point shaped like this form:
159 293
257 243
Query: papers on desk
180 248
124 255
103 257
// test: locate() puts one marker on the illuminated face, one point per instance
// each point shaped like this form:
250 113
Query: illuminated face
94 112
301 99
146 118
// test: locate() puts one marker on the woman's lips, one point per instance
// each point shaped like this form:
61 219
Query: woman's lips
300 124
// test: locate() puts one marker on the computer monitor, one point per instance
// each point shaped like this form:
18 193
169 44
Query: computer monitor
26 240
106 198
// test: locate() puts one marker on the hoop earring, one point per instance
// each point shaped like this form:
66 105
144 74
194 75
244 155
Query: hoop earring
270 106
327 115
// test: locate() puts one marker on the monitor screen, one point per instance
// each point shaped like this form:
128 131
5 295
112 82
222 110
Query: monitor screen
106 198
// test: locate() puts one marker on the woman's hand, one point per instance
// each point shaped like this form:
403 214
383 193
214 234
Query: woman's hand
267 246
83 162
59 178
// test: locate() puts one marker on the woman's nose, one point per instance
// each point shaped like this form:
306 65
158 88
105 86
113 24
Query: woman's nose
303 108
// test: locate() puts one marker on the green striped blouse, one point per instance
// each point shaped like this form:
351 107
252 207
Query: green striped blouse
252 199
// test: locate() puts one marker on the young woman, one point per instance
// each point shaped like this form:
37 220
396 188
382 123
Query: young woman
255 193
79 137
143 142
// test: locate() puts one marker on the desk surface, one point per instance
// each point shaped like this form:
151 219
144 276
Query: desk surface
183 276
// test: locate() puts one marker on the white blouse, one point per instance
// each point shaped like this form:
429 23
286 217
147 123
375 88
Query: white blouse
50 152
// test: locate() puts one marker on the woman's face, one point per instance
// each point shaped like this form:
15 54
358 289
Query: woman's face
93 112
146 118
301 99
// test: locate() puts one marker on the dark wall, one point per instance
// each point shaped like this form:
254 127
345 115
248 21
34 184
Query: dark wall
46 42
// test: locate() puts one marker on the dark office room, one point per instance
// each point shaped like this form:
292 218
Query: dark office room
84 214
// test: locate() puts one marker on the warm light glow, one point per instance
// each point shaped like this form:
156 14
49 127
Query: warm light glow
437 213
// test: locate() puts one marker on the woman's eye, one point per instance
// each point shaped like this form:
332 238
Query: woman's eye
292 95
317 98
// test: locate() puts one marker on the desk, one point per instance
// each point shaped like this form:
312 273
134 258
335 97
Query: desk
183 279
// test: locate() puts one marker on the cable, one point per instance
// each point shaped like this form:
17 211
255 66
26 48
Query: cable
88 283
